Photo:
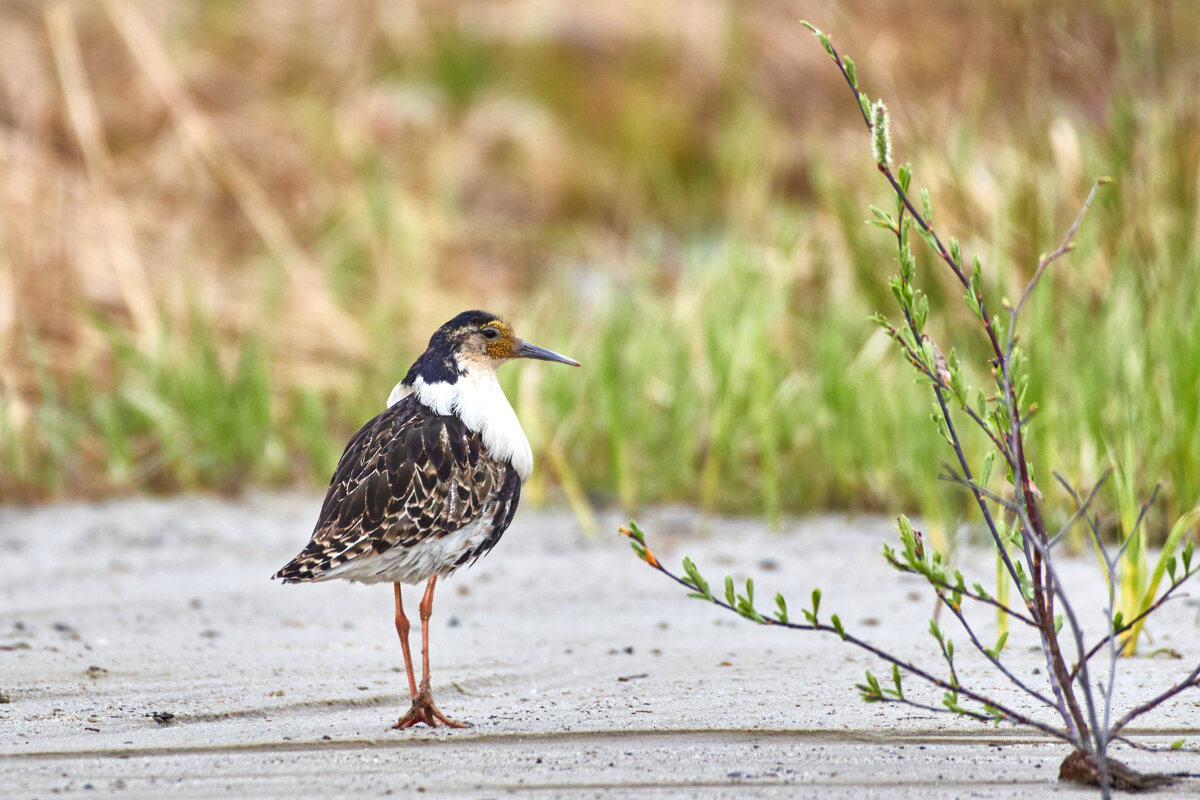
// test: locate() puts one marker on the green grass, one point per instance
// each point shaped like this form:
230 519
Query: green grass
683 215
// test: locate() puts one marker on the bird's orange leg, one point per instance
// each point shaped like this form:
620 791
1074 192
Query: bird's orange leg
423 708
402 628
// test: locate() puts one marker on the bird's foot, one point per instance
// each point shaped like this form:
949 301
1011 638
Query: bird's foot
424 710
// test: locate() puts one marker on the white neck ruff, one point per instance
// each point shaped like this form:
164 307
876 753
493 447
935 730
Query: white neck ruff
477 399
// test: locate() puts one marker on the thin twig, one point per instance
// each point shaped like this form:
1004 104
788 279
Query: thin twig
920 366
1082 506
1148 748
1006 712
1127 626
1067 245
953 477
1190 682
956 610
986 600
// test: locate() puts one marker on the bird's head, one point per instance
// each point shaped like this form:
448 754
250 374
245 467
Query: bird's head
474 340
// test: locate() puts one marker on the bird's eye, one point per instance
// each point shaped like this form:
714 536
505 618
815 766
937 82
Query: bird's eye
491 333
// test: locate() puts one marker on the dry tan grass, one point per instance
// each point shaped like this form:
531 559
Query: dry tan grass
304 174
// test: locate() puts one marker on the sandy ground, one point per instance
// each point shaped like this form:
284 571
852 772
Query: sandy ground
584 673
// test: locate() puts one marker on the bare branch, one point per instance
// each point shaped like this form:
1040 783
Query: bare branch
1068 244
1127 626
1006 712
957 612
1190 682
1081 507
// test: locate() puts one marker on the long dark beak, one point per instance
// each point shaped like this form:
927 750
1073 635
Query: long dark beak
523 349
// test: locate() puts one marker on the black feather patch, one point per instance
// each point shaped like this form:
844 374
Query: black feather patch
391 489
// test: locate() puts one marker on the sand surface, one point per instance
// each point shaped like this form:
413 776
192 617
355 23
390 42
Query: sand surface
583 672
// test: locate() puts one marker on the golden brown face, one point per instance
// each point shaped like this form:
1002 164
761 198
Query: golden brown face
492 340
498 339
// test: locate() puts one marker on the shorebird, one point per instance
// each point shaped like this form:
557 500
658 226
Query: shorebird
430 484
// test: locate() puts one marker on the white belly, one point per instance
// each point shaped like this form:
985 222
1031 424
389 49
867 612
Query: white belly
416 564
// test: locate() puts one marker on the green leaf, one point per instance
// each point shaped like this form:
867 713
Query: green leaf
1187 557
873 682
981 404
939 419
985 471
975 292
929 239
995 651
694 578
1177 744
927 206
869 693
955 254
880 320
896 681
837 626
635 532
1023 583
883 216
958 382
998 327
730 597
935 631
950 701
850 71
816 601
908 267
824 39
921 312
1057 623
781 606
1117 623
904 177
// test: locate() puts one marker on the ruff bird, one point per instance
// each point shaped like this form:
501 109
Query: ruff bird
429 485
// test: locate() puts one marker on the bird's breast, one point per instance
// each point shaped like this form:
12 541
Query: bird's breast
478 400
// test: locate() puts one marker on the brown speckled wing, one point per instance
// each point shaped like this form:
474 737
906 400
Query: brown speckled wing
406 476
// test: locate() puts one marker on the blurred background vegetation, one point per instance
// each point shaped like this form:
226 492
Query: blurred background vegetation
226 229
